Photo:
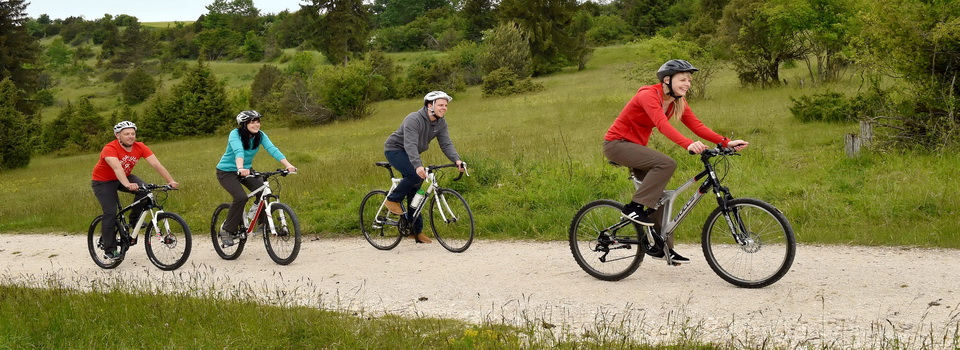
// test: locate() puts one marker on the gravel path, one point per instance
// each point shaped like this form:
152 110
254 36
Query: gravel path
836 296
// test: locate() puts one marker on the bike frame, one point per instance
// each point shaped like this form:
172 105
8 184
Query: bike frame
431 194
264 206
148 209
669 223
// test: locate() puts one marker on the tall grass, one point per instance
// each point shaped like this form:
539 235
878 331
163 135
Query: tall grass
536 158
191 310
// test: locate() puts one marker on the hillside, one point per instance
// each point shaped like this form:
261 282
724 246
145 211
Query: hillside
535 159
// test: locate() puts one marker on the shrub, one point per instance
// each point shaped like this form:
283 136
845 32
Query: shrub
137 87
347 91
264 84
608 29
504 82
428 73
506 46
825 107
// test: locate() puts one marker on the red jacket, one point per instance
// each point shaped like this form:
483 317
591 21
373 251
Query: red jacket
645 112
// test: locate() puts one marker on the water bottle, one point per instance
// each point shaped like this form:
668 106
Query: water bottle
418 199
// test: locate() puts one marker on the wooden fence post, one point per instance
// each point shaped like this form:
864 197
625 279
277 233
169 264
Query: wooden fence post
851 145
866 133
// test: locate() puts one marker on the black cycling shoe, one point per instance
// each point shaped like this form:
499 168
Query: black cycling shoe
112 254
634 212
677 258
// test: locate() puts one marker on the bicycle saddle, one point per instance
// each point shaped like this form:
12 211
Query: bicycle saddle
383 164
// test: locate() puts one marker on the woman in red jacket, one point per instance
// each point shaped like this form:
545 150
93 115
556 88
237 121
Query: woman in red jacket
626 141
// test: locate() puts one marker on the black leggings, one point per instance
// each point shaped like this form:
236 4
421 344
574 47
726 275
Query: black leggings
106 193
232 183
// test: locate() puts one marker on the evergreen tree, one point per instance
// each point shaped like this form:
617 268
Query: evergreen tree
544 22
18 52
137 86
479 15
342 30
196 106
16 129
252 47
264 83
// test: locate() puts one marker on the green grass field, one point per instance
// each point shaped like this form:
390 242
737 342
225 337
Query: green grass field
536 158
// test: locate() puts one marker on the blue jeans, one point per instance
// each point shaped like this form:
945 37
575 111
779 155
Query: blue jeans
408 185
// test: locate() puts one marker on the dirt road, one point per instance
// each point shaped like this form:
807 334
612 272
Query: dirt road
841 296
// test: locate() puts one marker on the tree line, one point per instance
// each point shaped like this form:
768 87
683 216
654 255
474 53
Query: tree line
497 44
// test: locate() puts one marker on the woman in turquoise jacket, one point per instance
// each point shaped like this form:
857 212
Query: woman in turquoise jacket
242 145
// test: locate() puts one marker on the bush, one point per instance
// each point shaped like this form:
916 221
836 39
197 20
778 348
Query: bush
504 82
347 91
608 29
506 46
264 84
428 73
825 107
137 87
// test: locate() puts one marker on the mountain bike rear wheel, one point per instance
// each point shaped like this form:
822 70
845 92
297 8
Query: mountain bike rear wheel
168 244
216 227
451 220
375 221
758 253
96 249
593 241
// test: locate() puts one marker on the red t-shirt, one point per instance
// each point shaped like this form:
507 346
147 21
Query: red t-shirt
645 112
103 172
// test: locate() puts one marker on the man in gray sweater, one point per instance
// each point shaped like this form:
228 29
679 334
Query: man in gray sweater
404 146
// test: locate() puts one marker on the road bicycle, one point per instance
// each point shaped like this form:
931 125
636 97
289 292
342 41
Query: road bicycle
275 220
166 234
746 241
450 217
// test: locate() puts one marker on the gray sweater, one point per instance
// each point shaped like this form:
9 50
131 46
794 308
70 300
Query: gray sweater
415 133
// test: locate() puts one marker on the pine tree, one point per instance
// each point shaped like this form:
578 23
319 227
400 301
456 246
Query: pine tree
342 30
18 52
16 129
196 106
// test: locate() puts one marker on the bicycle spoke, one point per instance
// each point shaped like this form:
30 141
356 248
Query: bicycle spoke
593 246
753 246
451 220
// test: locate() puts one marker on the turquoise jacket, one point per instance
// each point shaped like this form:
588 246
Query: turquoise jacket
235 150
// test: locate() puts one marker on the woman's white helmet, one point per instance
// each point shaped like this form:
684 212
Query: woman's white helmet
246 116
123 125
434 95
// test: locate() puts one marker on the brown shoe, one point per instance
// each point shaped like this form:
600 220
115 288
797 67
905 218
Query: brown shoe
394 207
422 238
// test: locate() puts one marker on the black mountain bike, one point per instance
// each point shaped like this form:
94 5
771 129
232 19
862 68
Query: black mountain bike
167 236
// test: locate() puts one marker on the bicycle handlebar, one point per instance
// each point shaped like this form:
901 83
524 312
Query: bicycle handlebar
152 187
267 174
719 151
431 168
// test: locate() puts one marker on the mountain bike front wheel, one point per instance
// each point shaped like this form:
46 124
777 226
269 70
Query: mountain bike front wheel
375 222
168 243
758 252
593 241
96 249
451 220
283 243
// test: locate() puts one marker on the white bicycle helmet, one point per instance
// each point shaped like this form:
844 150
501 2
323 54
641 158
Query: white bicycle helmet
123 125
434 95
246 116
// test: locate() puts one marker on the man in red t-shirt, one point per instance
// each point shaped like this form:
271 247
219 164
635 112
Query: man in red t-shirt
112 174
